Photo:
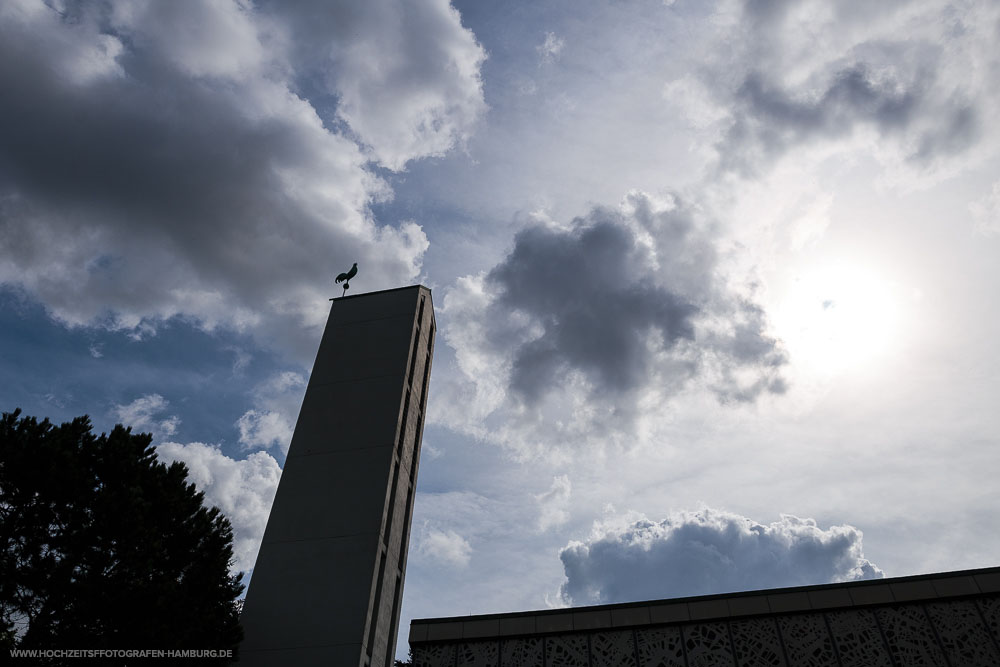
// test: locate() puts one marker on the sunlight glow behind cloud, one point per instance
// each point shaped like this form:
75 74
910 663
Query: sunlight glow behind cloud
838 318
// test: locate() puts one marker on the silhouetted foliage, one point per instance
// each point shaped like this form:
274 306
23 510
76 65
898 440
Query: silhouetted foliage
103 546
404 663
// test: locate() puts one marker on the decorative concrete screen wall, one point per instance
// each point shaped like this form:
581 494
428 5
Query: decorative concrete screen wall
945 620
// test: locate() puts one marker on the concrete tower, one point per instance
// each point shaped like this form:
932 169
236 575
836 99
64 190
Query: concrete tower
328 581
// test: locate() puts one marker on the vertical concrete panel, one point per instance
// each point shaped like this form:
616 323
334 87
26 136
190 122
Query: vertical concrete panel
328 580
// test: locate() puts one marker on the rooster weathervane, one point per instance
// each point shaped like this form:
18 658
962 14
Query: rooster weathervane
345 277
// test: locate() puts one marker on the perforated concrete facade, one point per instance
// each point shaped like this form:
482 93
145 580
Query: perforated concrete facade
941 620
329 576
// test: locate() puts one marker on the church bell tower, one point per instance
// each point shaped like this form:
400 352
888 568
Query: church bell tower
328 581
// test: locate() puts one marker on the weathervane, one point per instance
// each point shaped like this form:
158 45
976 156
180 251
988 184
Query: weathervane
345 277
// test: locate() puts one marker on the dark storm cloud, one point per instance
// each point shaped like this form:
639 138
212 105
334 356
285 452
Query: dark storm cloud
161 159
765 11
597 321
853 95
613 294
595 311
769 120
171 162
710 551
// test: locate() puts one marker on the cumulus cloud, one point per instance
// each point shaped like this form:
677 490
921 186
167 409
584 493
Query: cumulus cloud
407 75
211 160
584 328
709 551
445 546
553 504
243 490
276 406
141 413
264 428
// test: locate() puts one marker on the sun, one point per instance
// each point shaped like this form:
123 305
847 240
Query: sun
837 318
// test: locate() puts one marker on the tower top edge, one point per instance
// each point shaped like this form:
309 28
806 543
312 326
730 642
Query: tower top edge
384 291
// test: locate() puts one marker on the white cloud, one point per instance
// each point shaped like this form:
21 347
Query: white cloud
221 40
430 452
553 504
550 49
140 413
271 422
446 546
630 557
264 429
241 359
691 96
243 490
986 212
406 75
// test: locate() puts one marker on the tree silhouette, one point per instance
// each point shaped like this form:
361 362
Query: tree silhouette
105 547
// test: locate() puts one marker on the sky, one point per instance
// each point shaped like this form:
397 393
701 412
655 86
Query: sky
715 282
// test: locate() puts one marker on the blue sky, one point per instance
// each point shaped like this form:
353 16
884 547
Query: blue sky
715 281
